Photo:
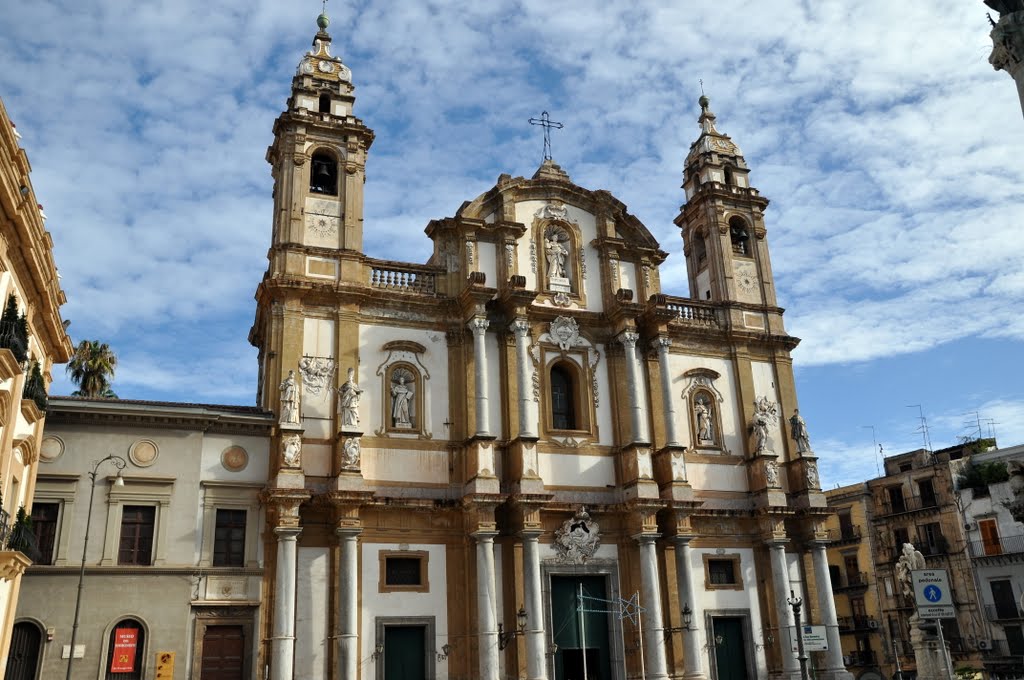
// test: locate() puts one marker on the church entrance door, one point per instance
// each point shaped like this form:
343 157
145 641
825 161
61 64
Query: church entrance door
23 658
730 652
223 652
405 649
577 633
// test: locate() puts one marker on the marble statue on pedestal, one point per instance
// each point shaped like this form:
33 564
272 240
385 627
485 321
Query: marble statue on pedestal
798 428
289 399
348 401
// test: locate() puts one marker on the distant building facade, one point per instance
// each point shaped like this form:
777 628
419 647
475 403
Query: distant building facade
29 289
175 555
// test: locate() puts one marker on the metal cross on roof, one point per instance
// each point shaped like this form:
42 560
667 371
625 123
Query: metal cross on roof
546 122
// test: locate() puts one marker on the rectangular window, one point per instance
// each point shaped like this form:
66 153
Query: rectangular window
896 503
44 526
927 491
990 537
722 572
136 546
229 539
403 571
852 569
846 529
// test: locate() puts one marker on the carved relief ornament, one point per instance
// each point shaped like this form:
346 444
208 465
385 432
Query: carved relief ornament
578 538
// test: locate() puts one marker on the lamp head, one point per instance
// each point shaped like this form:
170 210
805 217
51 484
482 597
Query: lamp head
521 618
687 615
119 480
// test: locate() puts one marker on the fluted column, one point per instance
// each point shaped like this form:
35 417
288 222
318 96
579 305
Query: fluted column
634 386
487 618
827 605
693 667
483 416
348 603
780 583
283 644
654 628
671 426
524 371
536 666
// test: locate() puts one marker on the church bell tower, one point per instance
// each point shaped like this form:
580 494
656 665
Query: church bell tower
723 222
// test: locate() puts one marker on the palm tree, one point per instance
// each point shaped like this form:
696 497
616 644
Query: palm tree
91 368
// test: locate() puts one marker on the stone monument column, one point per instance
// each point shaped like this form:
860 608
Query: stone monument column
528 415
634 387
283 641
671 426
483 418
692 665
348 603
487 618
781 587
654 628
834 667
536 665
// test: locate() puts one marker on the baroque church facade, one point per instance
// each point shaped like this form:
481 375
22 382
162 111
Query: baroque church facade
524 459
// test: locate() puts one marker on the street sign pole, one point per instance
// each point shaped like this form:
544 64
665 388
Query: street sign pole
945 651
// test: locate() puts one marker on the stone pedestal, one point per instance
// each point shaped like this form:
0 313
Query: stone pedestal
928 653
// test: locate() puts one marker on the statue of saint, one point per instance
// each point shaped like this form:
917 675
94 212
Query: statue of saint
555 253
705 432
290 399
760 429
348 400
798 428
400 396
910 560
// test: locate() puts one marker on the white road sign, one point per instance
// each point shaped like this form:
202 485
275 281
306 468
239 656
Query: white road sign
815 639
932 594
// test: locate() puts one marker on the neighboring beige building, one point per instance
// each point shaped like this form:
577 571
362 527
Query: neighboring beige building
27 272
175 555
468 445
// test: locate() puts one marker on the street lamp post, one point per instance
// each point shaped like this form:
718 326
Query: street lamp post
120 464
795 602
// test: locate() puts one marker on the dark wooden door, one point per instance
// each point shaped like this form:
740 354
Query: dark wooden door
730 653
576 631
223 653
405 649
23 659
1002 595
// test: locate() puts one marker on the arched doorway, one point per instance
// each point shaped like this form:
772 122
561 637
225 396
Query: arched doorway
26 645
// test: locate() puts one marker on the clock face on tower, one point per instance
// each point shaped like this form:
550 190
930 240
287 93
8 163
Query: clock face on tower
326 67
746 281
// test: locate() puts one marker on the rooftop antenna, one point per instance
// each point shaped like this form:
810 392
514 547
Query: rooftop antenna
975 423
991 422
923 427
876 447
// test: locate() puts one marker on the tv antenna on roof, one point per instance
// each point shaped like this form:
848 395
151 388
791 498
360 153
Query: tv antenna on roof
877 448
923 427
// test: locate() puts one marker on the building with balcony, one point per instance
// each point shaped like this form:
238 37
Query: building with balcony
32 341
175 558
995 544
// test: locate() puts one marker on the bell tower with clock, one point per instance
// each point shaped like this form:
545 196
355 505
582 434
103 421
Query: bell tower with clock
723 222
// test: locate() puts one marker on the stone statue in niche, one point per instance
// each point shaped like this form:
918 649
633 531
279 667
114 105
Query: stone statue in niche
798 429
402 411
289 399
578 538
556 250
348 400
766 413
771 474
351 454
291 451
705 429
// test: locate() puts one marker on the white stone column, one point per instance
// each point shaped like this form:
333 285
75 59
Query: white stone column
654 628
834 667
635 388
536 665
693 667
671 426
483 416
283 644
528 414
486 605
348 603
780 581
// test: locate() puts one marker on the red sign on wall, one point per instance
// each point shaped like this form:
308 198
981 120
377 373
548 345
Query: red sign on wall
125 642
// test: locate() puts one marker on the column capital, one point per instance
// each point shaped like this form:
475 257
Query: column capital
478 325
348 532
661 343
682 539
776 543
628 338
483 536
530 534
646 538
521 328
287 533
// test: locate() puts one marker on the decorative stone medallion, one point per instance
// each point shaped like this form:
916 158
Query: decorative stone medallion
144 452
51 449
578 538
234 458
565 331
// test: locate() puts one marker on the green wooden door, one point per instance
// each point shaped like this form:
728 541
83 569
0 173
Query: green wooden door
405 653
573 632
730 653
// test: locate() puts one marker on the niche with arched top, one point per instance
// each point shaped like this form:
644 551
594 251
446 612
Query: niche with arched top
323 174
739 235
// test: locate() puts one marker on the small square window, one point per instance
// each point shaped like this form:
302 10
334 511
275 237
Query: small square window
137 529
229 539
403 572
722 572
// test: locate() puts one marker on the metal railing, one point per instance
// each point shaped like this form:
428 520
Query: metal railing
11 338
1008 611
845 534
1002 545
907 504
851 580
862 657
1001 648
5 528
850 624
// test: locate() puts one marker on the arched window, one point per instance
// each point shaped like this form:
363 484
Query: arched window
323 175
740 236
26 645
700 249
728 175
126 651
563 399
325 103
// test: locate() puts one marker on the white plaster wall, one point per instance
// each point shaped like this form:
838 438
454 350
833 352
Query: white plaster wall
577 470
627 278
403 465
703 284
213 446
764 385
312 596
318 340
733 428
486 255
374 603
705 476
375 393
606 432
494 390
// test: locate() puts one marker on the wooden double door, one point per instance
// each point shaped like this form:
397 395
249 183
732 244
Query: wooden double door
223 653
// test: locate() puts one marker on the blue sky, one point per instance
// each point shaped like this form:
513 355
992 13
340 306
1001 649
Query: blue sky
891 151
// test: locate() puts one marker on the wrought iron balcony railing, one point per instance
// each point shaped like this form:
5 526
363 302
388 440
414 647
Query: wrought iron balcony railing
890 506
999 545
